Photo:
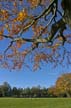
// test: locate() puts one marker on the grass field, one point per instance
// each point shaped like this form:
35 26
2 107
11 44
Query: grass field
35 103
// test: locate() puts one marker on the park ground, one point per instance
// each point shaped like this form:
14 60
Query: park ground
35 103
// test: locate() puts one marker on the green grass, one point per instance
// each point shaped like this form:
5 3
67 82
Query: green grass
35 103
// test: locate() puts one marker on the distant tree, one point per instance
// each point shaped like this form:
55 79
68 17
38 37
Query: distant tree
63 84
14 92
52 91
27 92
40 34
6 89
1 92
44 92
20 92
35 92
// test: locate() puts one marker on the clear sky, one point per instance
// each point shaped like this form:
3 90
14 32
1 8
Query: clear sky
44 77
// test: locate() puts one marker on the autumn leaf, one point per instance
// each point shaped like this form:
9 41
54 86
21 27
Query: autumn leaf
33 3
4 15
60 38
7 27
1 33
22 15
38 58
19 43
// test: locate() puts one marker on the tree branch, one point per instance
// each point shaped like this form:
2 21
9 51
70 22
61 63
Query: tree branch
44 13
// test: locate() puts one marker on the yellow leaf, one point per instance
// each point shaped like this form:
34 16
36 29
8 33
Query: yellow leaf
34 3
7 27
22 15
60 39
4 14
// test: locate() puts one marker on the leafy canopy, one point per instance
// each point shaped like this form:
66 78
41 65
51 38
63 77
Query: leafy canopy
34 28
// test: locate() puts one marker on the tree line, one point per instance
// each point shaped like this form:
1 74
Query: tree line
7 91
62 88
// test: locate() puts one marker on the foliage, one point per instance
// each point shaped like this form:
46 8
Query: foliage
52 92
62 87
7 91
64 84
40 34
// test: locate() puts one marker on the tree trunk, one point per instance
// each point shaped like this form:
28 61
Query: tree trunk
68 94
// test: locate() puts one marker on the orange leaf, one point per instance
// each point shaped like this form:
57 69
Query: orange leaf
18 44
1 37
1 33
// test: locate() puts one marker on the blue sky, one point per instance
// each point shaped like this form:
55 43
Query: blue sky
44 77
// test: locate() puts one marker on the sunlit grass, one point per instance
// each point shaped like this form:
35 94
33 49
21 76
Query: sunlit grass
35 103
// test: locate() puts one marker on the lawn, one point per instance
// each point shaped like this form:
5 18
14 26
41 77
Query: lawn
35 103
